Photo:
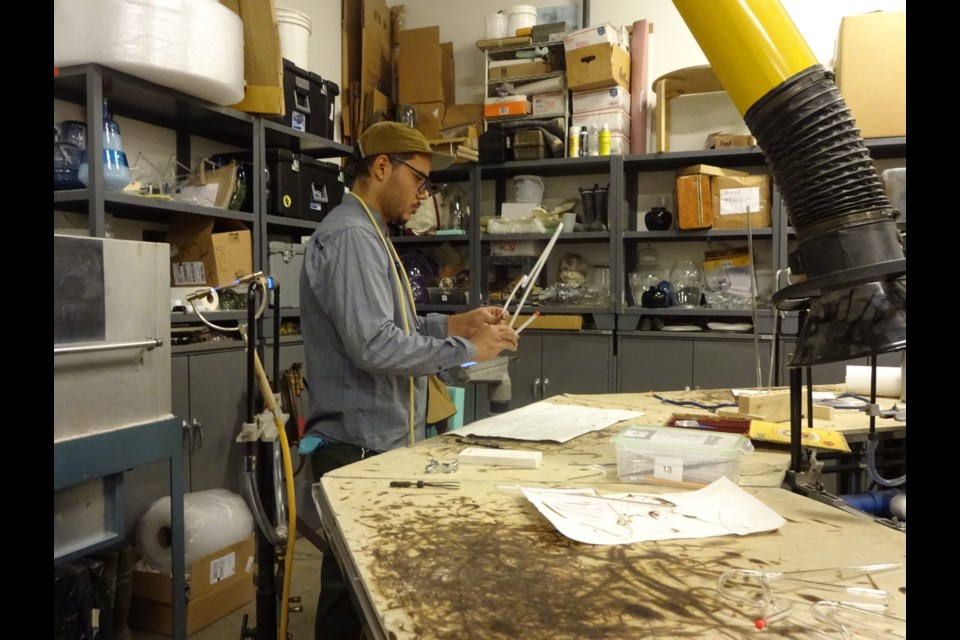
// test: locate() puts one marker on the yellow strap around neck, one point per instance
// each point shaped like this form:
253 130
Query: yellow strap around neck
406 281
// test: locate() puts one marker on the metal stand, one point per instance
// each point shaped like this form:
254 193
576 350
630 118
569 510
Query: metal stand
107 455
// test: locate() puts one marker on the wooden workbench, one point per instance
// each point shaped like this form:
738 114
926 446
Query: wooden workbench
481 562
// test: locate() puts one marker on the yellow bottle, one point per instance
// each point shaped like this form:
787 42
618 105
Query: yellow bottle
604 138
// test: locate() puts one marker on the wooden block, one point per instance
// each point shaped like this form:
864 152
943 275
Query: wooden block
502 457
821 412
772 407
726 412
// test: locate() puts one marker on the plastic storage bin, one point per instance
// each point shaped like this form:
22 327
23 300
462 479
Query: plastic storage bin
321 188
670 455
286 261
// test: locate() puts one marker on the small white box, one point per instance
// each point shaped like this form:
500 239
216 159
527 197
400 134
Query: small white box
610 98
671 455
597 35
549 104
517 210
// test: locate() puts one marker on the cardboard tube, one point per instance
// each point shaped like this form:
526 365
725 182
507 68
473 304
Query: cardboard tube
888 381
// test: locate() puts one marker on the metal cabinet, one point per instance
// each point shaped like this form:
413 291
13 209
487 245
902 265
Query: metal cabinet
549 364
209 397
655 363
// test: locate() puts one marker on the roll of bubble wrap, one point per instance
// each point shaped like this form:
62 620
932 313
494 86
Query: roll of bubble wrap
193 46
212 520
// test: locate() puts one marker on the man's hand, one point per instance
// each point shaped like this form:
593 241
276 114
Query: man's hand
491 339
465 325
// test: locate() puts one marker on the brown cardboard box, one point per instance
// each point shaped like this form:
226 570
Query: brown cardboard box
426 67
709 170
208 251
597 66
218 584
694 206
463 114
732 195
262 61
730 141
430 118
519 70
871 71
574 323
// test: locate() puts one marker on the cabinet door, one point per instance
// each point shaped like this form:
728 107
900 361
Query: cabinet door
726 364
576 364
524 372
218 386
651 364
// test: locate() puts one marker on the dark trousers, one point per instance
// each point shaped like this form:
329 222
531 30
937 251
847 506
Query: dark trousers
337 619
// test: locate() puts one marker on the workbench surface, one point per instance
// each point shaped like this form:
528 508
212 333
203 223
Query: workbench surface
481 562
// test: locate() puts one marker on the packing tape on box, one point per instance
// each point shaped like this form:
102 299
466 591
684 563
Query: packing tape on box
193 46
888 381
212 520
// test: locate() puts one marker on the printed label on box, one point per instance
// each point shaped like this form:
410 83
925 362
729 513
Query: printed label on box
737 200
223 568
668 468
188 273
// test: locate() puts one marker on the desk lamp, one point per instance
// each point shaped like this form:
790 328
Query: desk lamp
854 295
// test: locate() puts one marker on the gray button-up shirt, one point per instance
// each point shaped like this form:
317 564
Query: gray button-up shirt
358 355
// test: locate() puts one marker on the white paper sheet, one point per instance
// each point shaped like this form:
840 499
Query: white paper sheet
719 509
547 421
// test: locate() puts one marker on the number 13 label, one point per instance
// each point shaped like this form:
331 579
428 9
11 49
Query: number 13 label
668 469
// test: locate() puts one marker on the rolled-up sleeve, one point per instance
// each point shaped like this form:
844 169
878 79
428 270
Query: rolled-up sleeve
358 280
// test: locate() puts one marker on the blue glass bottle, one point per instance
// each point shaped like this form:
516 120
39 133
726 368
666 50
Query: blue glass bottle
116 170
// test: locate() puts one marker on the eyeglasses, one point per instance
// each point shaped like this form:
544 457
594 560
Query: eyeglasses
426 186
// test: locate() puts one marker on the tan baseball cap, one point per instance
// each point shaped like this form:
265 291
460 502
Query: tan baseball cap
395 137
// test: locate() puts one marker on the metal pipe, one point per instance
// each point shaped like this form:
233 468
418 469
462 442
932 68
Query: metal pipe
149 343
849 247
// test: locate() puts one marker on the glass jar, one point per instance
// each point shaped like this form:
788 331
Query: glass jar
648 273
686 278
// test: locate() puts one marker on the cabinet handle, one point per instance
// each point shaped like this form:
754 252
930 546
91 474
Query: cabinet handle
536 388
546 385
149 343
197 432
188 435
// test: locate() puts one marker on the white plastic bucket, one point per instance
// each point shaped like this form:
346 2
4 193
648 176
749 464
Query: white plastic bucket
529 189
496 26
294 29
520 17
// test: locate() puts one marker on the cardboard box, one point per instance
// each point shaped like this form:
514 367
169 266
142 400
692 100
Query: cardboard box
613 98
218 584
709 170
615 119
430 118
262 60
574 323
532 248
549 104
509 69
463 114
426 68
871 71
730 141
507 106
208 251
733 195
603 34
694 203
597 67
